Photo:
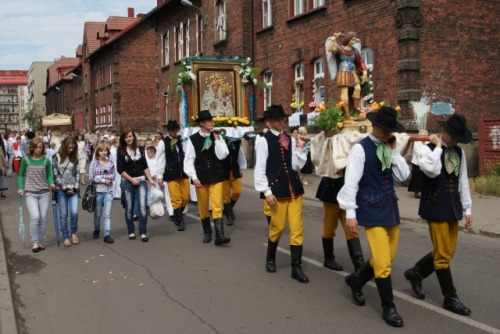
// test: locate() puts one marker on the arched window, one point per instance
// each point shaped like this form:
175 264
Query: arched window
318 81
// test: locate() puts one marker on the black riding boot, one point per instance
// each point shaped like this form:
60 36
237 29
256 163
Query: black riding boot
207 230
451 301
179 220
219 233
228 211
330 262
268 218
389 313
355 252
297 273
357 280
271 256
423 268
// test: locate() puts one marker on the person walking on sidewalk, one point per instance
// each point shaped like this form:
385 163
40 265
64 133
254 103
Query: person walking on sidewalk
170 161
445 199
327 192
276 176
102 175
66 171
203 164
35 181
369 198
234 163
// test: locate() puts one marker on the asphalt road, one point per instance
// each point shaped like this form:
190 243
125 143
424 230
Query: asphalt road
176 284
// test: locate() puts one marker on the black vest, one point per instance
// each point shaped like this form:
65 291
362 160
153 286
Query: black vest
440 199
279 171
329 188
231 164
376 199
174 159
208 167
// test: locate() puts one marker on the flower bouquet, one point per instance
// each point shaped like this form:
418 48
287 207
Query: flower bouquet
330 118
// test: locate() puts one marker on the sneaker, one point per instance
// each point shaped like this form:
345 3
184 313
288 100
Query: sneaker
144 238
108 239
95 235
131 236
74 239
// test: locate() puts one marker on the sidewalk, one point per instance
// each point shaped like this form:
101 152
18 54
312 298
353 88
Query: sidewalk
484 209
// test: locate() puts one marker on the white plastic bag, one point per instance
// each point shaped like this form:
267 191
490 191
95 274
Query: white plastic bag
156 208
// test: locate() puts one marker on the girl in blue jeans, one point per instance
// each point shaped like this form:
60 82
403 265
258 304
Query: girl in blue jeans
35 181
133 168
66 172
102 174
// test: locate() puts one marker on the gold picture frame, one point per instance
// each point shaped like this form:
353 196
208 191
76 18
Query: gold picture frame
218 88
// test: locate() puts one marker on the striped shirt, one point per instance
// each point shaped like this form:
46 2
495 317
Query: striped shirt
35 175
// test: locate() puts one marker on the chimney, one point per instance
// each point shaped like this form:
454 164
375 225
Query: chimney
131 12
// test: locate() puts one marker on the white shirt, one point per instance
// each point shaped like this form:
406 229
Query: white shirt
152 162
221 151
160 157
261 182
430 165
354 173
242 161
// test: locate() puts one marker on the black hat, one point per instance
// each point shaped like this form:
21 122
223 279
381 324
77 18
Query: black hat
386 118
173 125
456 127
275 110
203 115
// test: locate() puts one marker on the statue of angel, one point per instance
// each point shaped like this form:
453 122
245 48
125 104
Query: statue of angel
345 64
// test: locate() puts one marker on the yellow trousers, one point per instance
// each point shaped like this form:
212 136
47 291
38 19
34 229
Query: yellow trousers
383 242
267 209
232 189
444 235
213 193
331 215
179 193
291 209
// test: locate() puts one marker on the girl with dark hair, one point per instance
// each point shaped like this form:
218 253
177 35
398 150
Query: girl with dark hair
66 171
134 171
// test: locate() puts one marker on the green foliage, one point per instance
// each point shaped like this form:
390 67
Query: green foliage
330 116
33 120
489 184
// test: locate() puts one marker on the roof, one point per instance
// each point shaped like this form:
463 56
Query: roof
62 66
13 78
90 31
119 22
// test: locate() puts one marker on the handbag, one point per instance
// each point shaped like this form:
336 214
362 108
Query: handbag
89 198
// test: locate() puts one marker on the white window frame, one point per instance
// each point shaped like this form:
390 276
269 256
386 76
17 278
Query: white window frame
367 57
299 84
319 81
221 20
166 49
97 116
199 34
299 7
268 94
175 43
267 14
180 42
318 3
110 114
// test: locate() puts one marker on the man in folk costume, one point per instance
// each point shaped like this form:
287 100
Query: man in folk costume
170 160
234 163
203 164
444 201
279 159
369 199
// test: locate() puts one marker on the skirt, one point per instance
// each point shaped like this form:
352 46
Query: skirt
308 167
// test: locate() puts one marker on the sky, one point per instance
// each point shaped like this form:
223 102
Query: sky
45 30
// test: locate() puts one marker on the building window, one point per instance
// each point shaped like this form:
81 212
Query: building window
110 73
180 42
299 87
110 114
268 80
199 34
166 49
299 6
367 57
96 116
318 3
186 39
318 81
221 20
267 18
167 105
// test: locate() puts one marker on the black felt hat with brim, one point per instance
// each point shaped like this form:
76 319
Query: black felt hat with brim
203 115
275 110
456 127
173 125
386 118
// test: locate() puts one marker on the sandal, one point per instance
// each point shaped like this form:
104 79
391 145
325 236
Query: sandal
74 239
67 243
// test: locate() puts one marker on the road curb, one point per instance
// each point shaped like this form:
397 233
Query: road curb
8 323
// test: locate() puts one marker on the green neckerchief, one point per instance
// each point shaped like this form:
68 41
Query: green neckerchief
207 143
384 154
451 161
173 142
230 144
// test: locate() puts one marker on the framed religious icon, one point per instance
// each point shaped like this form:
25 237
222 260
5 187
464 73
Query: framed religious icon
218 88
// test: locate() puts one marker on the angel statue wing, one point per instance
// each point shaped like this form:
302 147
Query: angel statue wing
331 60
